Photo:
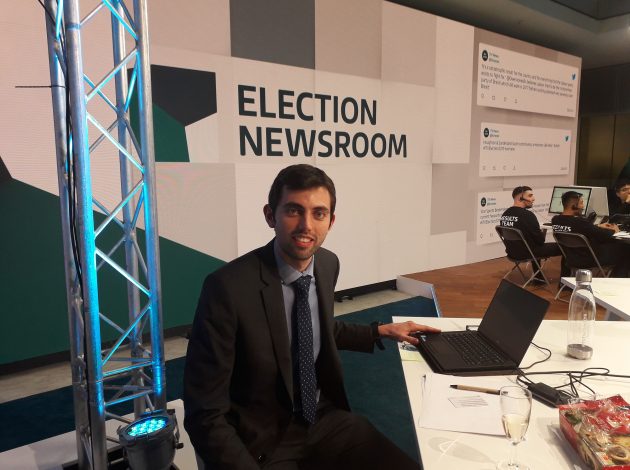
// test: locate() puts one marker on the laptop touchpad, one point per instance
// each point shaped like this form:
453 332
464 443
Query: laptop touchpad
443 352
441 347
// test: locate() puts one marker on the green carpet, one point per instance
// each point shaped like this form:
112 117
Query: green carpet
374 383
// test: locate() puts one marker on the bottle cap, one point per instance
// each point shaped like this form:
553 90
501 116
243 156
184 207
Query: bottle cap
583 275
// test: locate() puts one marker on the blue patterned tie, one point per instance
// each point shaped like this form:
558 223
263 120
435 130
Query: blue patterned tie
307 382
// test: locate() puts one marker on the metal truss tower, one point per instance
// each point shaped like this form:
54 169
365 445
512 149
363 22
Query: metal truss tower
110 363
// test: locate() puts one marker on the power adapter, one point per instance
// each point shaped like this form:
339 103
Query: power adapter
548 395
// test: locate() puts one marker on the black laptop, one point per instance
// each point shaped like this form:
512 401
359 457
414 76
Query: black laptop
498 346
623 220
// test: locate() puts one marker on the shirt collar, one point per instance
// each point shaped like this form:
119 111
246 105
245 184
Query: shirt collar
289 274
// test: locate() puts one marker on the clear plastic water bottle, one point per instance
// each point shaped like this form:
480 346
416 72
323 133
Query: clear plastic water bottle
581 317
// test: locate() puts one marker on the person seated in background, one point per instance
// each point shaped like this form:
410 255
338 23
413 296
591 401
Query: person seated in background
519 216
621 205
609 251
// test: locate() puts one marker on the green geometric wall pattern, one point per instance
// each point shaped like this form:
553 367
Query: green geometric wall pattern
169 136
32 286
180 97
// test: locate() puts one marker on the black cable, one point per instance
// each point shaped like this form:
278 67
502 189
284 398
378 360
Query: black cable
52 20
540 348
39 86
576 377
71 186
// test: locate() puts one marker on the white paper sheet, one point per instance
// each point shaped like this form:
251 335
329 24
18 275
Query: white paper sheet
409 352
449 409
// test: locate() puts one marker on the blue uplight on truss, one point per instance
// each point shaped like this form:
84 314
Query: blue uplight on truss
149 443
146 426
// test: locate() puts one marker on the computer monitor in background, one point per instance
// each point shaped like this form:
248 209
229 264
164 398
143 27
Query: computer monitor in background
598 202
555 205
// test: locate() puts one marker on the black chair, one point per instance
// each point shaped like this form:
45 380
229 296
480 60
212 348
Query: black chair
516 238
573 247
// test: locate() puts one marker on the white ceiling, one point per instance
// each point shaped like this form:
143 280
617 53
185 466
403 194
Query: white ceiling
547 23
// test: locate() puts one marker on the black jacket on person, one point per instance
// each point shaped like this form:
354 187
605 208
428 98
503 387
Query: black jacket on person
618 207
601 240
526 222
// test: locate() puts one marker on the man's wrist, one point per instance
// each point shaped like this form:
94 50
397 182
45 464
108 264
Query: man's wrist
376 335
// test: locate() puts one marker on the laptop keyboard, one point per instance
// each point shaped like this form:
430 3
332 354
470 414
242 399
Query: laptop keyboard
472 349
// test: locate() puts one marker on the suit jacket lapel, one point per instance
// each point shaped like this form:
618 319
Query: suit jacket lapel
273 302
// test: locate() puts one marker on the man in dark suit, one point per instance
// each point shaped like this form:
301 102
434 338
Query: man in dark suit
263 385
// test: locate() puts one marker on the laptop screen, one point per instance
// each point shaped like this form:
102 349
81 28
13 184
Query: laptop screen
512 319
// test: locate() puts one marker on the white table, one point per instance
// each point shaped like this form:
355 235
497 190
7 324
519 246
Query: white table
611 293
545 447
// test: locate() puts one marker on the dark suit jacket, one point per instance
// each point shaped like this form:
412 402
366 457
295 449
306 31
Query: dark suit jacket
238 386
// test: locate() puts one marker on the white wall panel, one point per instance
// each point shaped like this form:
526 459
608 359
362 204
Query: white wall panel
197 207
253 182
203 140
453 88
447 249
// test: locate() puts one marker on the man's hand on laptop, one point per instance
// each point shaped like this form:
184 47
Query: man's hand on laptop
404 331
613 227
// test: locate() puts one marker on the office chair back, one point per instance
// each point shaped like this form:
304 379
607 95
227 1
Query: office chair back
511 236
575 245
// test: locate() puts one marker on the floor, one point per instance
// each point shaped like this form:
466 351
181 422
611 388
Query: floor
466 291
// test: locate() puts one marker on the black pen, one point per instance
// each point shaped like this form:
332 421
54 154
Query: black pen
470 388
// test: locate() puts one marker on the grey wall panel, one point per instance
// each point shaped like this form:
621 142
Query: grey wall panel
348 36
449 193
279 31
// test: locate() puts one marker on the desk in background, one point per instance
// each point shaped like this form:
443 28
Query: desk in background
545 447
612 293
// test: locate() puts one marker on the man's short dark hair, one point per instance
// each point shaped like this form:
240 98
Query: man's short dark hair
571 198
299 177
621 182
520 190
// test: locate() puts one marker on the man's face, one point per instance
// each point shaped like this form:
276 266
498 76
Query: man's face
301 222
624 193
580 205
528 199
